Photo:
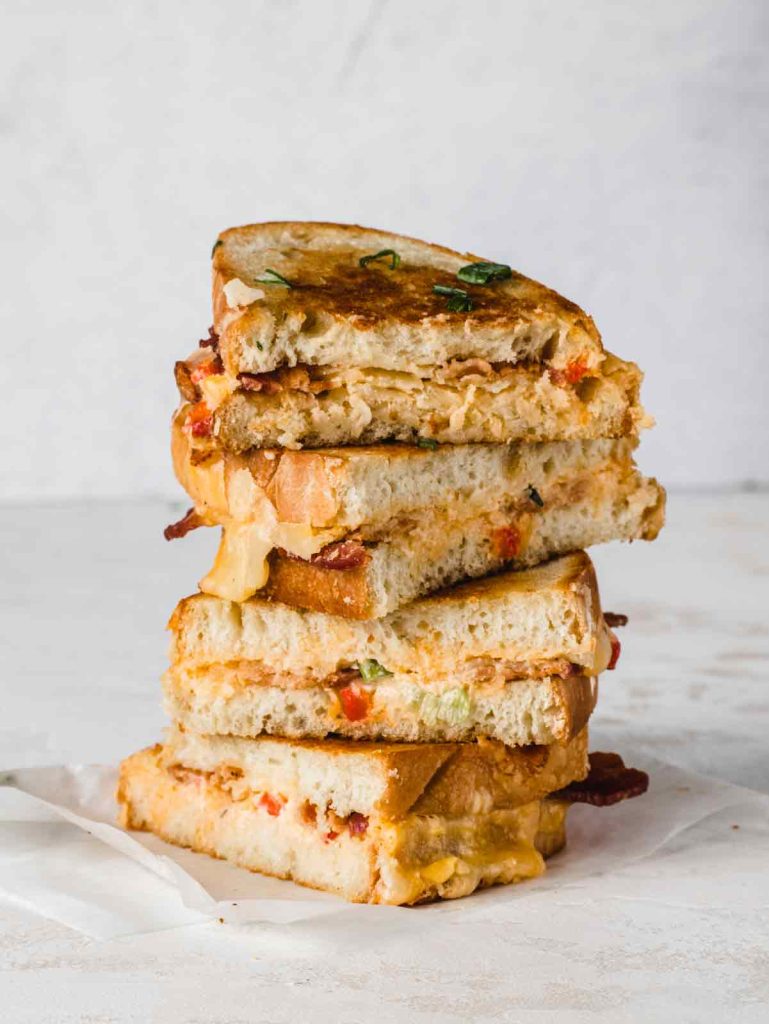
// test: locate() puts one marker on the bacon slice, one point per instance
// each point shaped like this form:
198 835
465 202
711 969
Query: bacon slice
357 824
616 650
614 619
212 341
607 783
342 554
261 382
189 521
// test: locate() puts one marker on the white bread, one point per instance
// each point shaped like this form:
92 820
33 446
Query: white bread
434 552
415 859
341 314
219 699
386 780
339 490
514 623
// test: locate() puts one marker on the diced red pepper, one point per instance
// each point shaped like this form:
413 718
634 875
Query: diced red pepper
575 371
200 421
507 541
202 370
330 835
616 648
273 805
356 703
357 824
573 374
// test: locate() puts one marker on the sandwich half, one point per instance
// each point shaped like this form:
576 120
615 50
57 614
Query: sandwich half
512 657
378 823
361 531
328 334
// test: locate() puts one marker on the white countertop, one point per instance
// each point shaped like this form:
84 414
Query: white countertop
87 590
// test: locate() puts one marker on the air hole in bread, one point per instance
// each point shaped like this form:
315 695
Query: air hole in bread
550 347
586 389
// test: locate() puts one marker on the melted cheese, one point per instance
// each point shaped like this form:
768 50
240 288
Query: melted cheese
251 528
238 293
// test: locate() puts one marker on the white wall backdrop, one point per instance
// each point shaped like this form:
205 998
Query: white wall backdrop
618 151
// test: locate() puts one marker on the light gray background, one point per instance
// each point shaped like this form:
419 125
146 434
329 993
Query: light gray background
617 151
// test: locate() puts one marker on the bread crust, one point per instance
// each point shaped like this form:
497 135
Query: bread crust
338 311
386 867
625 507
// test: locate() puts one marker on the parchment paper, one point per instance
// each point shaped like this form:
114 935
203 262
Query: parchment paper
62 855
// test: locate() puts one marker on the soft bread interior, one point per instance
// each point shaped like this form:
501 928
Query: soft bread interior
376 315
527 617
415 858
433 552
385 779
221 699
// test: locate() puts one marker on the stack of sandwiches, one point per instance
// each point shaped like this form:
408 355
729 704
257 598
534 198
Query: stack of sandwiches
383 687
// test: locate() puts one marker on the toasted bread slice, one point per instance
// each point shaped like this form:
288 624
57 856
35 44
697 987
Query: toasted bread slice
508 657
381 823
336 508
227 699
367 580
335 491
511 626
337 312
303 501
368 406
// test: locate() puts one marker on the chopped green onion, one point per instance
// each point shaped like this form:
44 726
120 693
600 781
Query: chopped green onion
260 346
458 300
427 442
482 273
217 243
273 277
535 496
370 669
395 260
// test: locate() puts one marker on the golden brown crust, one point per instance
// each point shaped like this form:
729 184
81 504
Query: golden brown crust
347 592
331 280
486 774
329 287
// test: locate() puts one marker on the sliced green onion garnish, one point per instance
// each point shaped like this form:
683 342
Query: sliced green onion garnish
482 273
458 301
273 277
383 254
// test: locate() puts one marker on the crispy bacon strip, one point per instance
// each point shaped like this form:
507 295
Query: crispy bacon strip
357 824
212 341
608 782
342 554
261 382
614 619
189 521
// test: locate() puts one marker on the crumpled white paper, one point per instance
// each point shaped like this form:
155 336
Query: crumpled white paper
62 855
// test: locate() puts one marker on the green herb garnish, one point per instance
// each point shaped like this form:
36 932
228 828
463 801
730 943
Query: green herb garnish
395 260
482 273
217 243
427 442
370 669
535 496
273 277
260 346
458 300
